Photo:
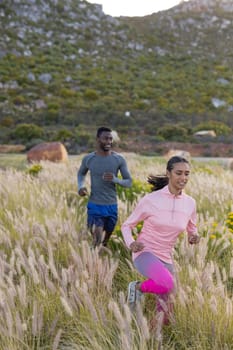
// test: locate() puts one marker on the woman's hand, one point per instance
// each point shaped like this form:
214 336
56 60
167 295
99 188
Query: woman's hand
136 246
194 239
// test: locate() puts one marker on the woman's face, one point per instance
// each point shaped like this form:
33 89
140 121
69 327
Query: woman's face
178 177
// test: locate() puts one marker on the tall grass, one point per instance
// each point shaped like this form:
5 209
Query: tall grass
58 293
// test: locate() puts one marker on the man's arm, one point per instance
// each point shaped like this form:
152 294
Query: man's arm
82 191
122 182
126 180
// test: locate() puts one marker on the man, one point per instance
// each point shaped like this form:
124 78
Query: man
104 165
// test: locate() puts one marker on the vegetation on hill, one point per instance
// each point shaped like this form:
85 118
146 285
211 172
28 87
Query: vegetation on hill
84 68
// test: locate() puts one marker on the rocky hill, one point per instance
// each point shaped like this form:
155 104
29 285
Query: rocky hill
66 63
196 29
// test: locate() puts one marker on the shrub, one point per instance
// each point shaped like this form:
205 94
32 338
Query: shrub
52 116
91 94
27 132
3 98
67 93
19 100
220 128
7 122
83 138
229 221
63 135
34 169
33 142
131 195
173 132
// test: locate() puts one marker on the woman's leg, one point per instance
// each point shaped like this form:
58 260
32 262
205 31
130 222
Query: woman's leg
160 279
164 301
160 282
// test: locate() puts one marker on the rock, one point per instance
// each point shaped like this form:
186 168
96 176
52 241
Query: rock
52 151
45 78
179 153
115 136
216 102
205 133
31 77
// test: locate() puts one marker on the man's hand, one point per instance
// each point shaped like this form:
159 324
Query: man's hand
83 192
107 176
194 239
136 246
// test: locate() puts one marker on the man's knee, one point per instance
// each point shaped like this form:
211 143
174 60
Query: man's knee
97 234
106 238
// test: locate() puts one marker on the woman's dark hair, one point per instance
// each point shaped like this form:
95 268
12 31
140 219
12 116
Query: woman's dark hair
160 181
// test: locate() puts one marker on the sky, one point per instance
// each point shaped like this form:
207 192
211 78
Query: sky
117 8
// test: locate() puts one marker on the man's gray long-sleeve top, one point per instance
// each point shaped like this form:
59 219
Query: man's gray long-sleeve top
104 192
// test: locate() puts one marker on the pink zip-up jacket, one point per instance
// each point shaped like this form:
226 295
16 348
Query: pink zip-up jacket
164 217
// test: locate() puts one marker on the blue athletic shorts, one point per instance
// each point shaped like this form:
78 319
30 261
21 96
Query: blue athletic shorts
102 216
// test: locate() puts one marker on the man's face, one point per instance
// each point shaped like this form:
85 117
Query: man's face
105 141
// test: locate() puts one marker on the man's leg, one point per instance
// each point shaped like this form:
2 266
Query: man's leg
106 238
109 225
97 235
95 224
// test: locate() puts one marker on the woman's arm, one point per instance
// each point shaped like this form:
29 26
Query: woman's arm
139 214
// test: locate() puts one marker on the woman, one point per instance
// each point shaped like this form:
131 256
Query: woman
165 213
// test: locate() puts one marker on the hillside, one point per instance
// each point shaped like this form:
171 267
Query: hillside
65 64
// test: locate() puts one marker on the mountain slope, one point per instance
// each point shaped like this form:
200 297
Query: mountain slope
67 63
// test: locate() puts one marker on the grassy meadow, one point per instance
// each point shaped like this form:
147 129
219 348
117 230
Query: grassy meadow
58 293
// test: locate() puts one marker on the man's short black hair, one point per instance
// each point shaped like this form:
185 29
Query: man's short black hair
102 129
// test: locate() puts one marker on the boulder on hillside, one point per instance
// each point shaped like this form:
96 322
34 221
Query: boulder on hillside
179 153
205 133
52 151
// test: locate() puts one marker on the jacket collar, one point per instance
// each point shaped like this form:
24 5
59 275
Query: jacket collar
166 191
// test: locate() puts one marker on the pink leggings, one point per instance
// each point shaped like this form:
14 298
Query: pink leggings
160 274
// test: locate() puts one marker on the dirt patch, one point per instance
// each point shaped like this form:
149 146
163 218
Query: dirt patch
12 148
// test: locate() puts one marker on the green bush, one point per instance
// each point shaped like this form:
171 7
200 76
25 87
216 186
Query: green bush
63 135
19 100
220 128
91 94
173 132
33 142
27 132
52 116
83 138
7 122
3 98
66 93
5 134
34 169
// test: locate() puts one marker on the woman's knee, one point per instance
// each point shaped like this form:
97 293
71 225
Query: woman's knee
158 286
169 284
166 284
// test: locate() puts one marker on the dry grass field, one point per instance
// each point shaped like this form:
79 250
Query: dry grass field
58 293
